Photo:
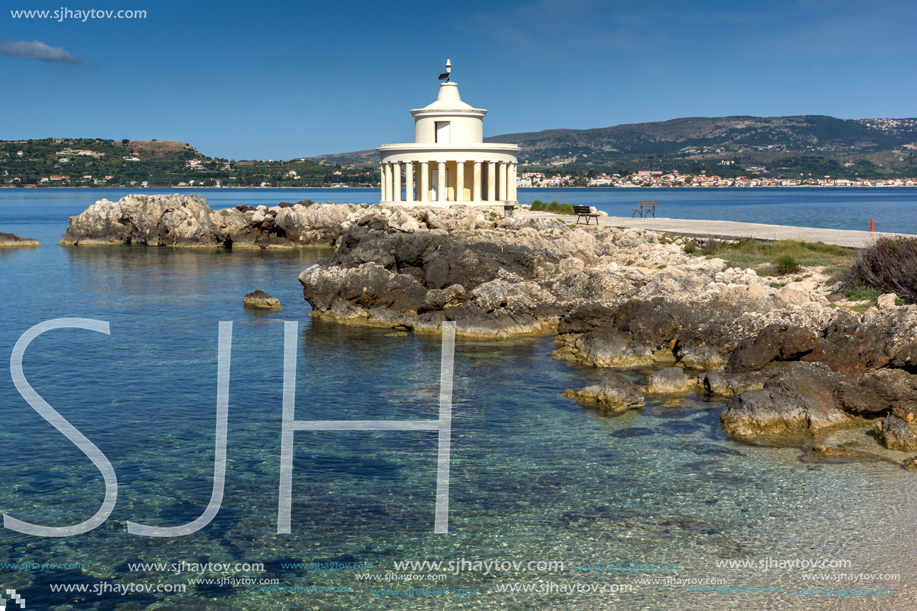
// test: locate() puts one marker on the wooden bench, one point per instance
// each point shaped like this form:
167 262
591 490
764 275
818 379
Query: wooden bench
585 212
645 209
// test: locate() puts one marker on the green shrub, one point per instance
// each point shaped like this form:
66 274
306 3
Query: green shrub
554 207
690 247
787 264
224 212
889 266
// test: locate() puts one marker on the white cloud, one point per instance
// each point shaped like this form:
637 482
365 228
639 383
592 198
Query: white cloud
37 50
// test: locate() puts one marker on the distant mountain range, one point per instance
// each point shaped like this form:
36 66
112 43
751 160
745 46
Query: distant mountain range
882 146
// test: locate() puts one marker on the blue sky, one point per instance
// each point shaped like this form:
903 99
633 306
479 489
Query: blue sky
284 79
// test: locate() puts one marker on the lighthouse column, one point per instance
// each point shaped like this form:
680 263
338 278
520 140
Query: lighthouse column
459 181
476 185
424 181
409 181
503 175
491 180
441 194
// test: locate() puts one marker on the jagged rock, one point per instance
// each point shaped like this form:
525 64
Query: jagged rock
721 382
155 220
773 343
886 301
260 299
878 392
798 400
613 393
668 381
854 344
187 220
8 240
910 463
896 434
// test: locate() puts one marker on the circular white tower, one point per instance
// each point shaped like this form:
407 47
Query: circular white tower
448 162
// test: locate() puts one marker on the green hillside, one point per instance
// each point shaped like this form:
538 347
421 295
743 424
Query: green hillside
54 162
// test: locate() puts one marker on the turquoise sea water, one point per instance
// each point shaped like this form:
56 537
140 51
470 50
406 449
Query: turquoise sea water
534 476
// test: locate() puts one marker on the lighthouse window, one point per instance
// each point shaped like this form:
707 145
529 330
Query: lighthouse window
443 132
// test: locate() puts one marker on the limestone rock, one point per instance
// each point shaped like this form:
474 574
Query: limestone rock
613 393
896 434
774 342
798 400
878 392
8 240
886 301
668 381
187 220
260 299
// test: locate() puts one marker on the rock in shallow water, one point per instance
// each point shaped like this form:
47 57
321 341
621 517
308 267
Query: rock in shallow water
896 434
260 299
613 393
668 381
799 399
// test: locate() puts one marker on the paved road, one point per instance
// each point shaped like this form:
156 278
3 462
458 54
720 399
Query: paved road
730 229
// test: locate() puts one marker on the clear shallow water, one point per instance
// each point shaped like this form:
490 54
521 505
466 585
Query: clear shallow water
535 477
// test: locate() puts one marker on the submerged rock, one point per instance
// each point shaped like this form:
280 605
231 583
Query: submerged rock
260 299
613 393
8 240
821 451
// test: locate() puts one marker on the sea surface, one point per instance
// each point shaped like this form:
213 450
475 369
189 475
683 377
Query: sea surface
645 506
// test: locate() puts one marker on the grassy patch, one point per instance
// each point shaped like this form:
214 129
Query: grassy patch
860 292
555 207
750 253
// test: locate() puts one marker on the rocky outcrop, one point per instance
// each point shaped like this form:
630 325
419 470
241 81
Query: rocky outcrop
261 300
187 220
8 240
701 334
798 400
614 393
854 344
416 267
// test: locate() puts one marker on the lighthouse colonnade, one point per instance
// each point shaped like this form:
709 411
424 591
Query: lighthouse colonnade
444 182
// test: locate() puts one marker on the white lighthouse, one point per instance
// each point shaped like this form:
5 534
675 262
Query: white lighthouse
448 162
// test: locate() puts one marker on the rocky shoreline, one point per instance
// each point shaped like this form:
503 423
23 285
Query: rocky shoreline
793 365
